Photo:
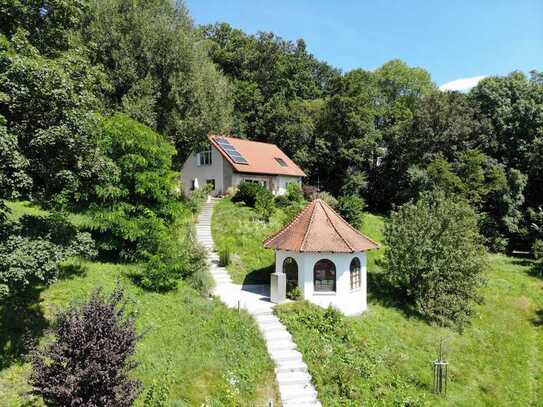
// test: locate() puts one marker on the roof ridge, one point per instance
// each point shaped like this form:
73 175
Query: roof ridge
281 231
308 227
334 226
352 227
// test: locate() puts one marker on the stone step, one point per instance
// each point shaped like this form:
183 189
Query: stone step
265 319
289 355
309 402
277 335
281 345
291 367
292 378
295 392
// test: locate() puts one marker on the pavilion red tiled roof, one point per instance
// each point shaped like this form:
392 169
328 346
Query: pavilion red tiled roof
261 157
318 228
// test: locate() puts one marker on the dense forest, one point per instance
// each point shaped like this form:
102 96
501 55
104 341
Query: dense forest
386 135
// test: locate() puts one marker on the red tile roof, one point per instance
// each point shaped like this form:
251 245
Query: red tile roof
261 157
318 228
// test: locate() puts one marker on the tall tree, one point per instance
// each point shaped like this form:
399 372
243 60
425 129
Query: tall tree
159 68
434 257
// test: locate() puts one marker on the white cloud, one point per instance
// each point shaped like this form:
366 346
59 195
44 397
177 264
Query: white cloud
463 84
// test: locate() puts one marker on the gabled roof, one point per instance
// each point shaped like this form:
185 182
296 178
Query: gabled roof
261 157
318 228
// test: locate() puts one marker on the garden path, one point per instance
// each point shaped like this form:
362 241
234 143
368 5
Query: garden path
291 371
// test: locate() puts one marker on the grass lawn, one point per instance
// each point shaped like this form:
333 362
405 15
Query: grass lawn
384 356
204 351
237 228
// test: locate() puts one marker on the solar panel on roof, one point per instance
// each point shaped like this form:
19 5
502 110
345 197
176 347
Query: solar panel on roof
231 151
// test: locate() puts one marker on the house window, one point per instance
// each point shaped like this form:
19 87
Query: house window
212 183
324 276
281 162
355 273
193 185
204 157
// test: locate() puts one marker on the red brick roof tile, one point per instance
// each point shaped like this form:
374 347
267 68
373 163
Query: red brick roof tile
318 228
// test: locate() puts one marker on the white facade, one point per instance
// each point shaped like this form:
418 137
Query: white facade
219 172
347 300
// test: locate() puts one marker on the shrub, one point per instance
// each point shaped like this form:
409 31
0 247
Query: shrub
328 198
434 257
281 201
224 257
246 193
537 249
31 251
294 193
90 359
264 204
295 294
351 207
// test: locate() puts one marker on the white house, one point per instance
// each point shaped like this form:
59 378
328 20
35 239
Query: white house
324 256
228 161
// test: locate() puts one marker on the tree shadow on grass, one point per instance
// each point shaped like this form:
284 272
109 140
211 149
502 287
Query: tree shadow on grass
259 276
22 323
538 319
380 291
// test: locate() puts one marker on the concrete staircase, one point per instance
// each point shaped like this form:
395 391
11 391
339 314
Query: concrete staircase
291 371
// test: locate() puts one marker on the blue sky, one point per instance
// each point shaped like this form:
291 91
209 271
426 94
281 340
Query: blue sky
453 40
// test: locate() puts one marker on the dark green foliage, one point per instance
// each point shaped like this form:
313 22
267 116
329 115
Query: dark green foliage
264 204
132 211
46 107
485 185
351 207
32 249
14 180
48 23
537 249
247 192
158 66
90 359
434 257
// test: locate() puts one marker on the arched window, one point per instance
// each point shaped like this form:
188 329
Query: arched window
355 273
324 276
290 268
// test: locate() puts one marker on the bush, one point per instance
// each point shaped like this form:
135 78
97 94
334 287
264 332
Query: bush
32 249
328 198
295 294
294 193
281 201
224 257
435 257
264 204
351 207
247 192
90 359
537 249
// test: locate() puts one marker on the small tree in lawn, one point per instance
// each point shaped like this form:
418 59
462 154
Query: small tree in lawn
435 257
89 361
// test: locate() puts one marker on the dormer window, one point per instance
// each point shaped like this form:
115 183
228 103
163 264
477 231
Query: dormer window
281 162
204 157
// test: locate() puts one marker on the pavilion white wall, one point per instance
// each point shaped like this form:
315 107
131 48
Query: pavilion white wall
350 302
